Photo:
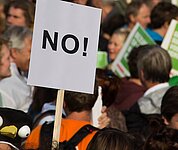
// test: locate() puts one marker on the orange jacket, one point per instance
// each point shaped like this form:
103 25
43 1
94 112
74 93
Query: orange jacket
68 129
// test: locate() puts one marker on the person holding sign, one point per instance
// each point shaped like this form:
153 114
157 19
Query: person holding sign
78 108
110 85
161 16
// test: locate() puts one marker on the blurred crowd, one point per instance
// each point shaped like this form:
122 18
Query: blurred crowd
139 112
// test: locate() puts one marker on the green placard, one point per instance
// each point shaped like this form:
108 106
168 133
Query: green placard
170 43
137 37
173 48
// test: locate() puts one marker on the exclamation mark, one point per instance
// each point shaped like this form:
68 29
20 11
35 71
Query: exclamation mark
85 46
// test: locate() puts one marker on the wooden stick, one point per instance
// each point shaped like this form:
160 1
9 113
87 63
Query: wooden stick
57 121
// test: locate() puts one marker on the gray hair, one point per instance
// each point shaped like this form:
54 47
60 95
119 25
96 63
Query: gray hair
16 36
155 62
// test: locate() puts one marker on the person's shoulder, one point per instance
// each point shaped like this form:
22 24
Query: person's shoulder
33 140
154 35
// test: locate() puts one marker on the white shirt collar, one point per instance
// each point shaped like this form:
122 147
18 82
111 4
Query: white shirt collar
156 87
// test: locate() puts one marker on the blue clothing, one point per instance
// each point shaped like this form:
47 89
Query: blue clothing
155 36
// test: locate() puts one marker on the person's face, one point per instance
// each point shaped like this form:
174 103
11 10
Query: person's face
16 17
5 62
22 57
114 46
4 146
82 2
174 122
143 16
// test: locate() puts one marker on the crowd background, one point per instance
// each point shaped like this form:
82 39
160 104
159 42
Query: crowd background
140 111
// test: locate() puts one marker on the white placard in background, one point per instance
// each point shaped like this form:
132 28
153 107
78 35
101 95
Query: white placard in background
64 46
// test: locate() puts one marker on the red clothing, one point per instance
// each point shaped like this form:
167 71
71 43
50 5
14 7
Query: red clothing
128 94
68 129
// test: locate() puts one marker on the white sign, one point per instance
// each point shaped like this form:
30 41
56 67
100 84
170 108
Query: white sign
64 46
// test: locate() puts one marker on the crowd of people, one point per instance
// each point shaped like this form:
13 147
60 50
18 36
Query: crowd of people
140 111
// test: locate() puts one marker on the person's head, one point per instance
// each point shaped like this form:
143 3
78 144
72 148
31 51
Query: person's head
42 95
164 139
111 23
162 14
169 107
110 85
116 42
132 62
20 39
20 13
4 59
112 139
138 11
78 102
154 65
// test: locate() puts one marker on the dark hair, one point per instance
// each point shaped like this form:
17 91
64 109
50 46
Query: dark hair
165 139
132 62
169 105
155 62
110 85
27 7
134 7
113 22
163 12
77 102
41 95
112 139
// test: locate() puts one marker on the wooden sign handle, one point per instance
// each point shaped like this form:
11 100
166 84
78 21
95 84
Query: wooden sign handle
58 118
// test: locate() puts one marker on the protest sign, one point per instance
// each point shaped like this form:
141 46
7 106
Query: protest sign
170 43
137 37
64 46
64 51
